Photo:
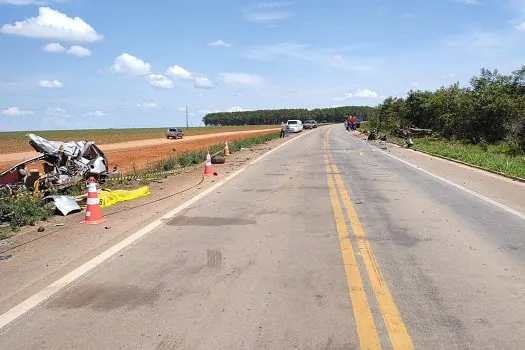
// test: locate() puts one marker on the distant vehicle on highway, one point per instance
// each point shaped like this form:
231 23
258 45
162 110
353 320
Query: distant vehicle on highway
295 125
174 133
310 124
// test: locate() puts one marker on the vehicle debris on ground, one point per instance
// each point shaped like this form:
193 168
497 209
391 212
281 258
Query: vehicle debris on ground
63 204
411 132
64 164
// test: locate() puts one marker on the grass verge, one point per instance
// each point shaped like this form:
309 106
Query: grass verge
505 157
502 157
21 211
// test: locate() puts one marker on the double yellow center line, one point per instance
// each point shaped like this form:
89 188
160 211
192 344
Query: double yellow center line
366 329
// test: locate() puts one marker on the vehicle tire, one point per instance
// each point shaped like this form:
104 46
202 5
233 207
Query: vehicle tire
217 160
168 137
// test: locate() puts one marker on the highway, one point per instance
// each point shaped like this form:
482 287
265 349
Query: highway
326 243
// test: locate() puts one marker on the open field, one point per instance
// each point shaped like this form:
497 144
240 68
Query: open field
11 142
139 158
139 154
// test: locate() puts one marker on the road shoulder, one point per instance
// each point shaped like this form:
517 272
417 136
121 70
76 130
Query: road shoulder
38 259
498 188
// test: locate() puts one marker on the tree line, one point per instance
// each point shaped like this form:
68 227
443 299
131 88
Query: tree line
277 116
490 109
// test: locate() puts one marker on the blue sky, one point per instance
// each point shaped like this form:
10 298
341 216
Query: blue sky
135 63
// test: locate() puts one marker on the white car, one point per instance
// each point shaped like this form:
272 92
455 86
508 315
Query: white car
294 125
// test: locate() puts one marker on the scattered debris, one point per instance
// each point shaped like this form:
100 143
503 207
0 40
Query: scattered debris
411 132
244 149
63 204
58 225
64 164
107 227
41 229
215 173
5 257
218 160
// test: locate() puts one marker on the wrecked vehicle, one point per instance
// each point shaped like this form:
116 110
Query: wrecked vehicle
64 164
411 132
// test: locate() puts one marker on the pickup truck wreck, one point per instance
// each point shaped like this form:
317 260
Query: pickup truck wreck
64 164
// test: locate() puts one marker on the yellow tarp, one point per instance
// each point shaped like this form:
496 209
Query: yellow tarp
108 198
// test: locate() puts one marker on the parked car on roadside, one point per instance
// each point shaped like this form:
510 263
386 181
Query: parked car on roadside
310 124
294 125
174 133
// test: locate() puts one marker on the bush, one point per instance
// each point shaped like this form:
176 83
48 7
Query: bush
23 210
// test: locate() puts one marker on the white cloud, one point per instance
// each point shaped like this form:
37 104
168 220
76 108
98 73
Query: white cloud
266 13
50 84
241 79
237 109
79 51
468 2
30 2
98 114
56 111
160 81
147 105
52 24
54 48
179 73
304 52
415 83
208 111
127 64
219 43
181 109
203 83
481 40
521 26
15 112
361 93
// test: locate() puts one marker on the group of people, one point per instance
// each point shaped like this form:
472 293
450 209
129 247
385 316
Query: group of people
351 123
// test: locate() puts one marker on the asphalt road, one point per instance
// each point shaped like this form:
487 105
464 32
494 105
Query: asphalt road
327 243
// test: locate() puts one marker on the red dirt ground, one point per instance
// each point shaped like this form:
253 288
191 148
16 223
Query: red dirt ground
141 153
144 156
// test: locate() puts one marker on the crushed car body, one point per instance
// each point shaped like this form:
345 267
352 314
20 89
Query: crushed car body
63 163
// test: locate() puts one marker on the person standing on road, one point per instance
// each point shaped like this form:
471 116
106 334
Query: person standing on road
353 123
283 130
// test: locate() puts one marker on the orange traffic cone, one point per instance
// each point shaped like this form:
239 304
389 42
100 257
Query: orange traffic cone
208 170
226 149
93 213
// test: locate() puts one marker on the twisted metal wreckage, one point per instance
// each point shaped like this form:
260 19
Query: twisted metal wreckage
64 165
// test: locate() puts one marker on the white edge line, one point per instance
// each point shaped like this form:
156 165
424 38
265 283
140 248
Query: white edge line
471 192
26 305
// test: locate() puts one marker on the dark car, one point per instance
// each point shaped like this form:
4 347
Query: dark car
310 124
174 133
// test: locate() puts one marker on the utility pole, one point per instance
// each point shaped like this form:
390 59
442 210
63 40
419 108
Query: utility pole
187 124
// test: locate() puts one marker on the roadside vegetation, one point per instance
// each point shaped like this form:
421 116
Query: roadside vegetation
27 209
482 124
277 116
